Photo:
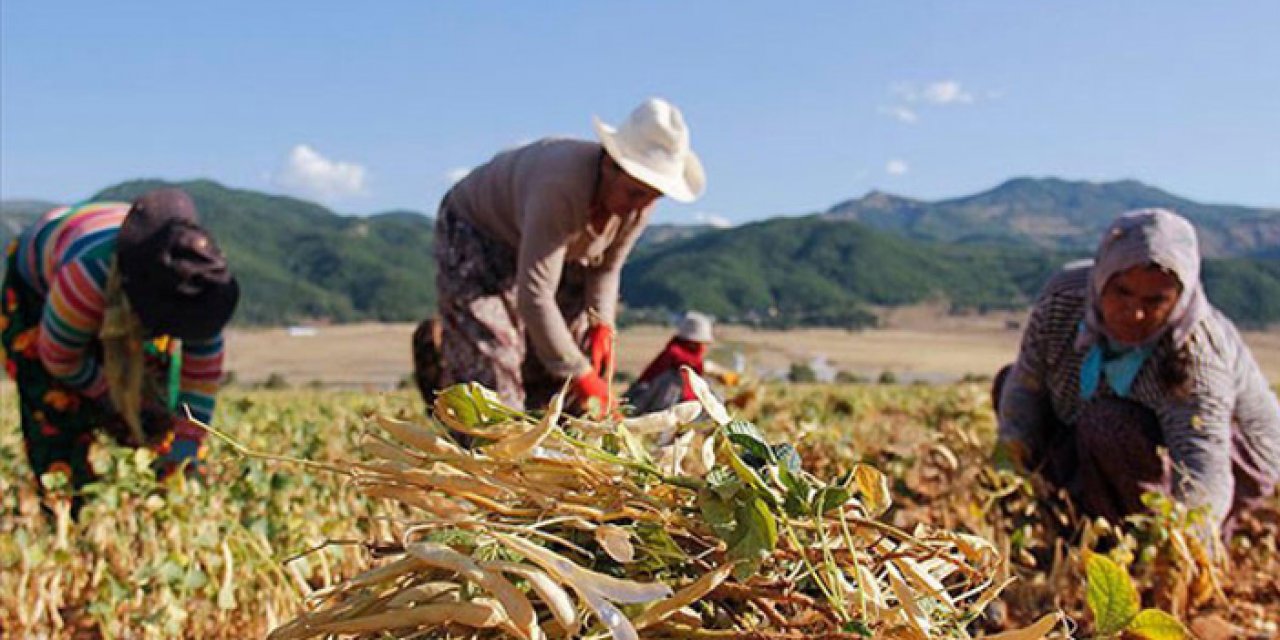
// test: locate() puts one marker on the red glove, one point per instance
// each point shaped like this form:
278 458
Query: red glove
600 348
590 385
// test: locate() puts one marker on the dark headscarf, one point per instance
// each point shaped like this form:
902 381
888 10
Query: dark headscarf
176 278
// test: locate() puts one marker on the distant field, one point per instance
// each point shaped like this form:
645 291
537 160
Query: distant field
918 347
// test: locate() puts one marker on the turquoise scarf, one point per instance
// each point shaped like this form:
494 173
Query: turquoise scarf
1120 368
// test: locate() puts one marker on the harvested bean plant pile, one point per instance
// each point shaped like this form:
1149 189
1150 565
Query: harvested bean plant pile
684 524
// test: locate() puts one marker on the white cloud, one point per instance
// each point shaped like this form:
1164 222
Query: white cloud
896 167
947 92
900 113
942 92
456 174
713 219
308 173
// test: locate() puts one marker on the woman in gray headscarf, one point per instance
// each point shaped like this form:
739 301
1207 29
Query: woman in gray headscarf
1129 381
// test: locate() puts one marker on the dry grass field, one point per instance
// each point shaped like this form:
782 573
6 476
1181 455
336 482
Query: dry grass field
914 346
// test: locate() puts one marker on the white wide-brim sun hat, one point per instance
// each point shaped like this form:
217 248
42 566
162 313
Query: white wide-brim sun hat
652 146
695 327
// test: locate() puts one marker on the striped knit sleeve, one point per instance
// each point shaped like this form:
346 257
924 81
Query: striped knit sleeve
71 319
201 374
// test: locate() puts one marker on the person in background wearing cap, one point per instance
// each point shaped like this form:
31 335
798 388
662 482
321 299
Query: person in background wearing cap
112 320
530 248
661 384
1129 381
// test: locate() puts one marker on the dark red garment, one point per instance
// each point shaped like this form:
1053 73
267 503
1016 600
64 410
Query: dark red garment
677 353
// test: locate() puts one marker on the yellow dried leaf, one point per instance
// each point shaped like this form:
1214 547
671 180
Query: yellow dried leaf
712 405
1035 631
870 588
911 613
423 594
227 592
374 447
923 580
874 488
512 599
556 598
583 579
420 437
518 446
439 506
684 597
671 418
616 542
479 615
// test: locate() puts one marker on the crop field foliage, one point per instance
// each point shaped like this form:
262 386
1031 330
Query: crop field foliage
247 552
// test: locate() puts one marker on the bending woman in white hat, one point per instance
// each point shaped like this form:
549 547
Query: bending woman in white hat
530 241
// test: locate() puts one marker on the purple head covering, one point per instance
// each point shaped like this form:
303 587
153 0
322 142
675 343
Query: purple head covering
1142 237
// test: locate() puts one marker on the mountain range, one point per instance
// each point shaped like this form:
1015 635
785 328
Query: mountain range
300 261
1059 215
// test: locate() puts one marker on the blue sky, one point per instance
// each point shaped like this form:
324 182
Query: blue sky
373 106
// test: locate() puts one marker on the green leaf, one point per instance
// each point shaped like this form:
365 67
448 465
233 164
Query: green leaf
1110 595
724 482
657 548
1154 624
799 492
795 505
458 400
748 436
759 536
718 513
474 405
795 484
829 498
746 473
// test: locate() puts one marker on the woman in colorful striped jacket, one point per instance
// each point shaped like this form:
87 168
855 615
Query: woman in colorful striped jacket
112 320
1129 381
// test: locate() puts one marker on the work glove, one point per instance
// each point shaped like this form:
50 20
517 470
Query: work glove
180 453
600 348
588 386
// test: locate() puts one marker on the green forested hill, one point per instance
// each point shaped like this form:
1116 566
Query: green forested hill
819 271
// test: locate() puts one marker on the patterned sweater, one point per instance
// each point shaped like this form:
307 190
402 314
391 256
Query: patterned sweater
66 257
1228 392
